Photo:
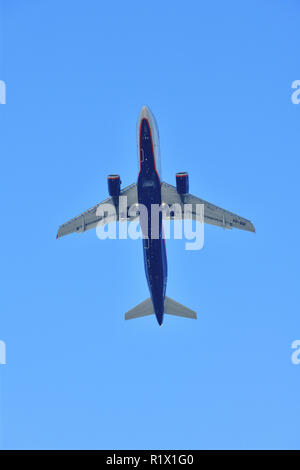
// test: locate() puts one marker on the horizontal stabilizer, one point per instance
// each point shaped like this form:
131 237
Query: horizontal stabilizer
141 310
175 308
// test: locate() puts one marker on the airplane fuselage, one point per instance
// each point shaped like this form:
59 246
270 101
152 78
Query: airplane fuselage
153 196
149 194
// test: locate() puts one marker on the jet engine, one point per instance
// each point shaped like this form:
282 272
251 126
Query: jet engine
114 185
182 182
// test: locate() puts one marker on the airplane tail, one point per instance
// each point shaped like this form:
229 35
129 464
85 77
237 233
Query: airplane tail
141 310
171 308
175 308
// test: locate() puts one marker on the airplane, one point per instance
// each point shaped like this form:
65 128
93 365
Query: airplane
149 190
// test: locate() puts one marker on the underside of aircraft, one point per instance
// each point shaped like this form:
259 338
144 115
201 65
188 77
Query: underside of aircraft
149 190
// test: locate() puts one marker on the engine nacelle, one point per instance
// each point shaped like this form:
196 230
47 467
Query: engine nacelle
114 185
182 182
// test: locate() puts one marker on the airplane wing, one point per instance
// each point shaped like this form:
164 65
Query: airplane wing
91 218
213 215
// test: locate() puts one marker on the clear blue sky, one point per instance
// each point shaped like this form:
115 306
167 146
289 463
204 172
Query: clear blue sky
217 76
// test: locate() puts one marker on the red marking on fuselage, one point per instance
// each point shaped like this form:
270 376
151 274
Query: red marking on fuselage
144 119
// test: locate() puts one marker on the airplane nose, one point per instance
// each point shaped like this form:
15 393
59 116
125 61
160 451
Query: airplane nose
144 109
145 112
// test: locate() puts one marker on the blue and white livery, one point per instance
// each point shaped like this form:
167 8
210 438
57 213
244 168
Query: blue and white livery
148 192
